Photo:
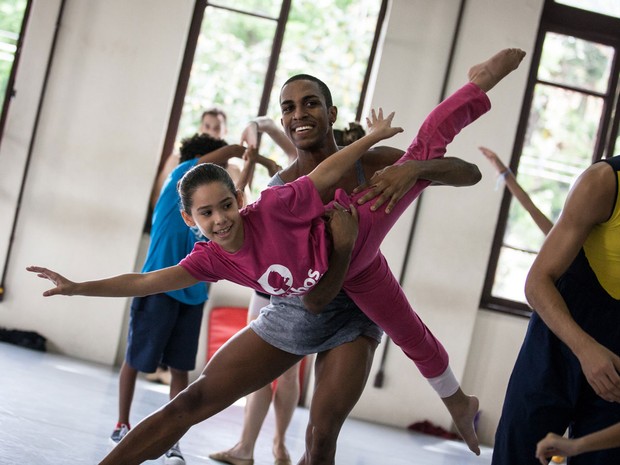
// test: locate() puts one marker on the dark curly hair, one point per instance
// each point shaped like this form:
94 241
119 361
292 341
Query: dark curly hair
348 135
198 145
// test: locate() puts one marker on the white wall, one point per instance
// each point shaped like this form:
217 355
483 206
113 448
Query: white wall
99 140
100 136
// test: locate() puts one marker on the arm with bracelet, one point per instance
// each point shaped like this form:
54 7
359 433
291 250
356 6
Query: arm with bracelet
541 220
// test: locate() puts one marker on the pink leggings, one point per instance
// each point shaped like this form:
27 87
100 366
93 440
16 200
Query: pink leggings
370 282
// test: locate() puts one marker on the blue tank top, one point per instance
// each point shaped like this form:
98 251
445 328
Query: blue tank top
171 238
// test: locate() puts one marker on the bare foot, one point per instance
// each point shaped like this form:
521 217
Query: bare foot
488 73
280 454
463 409
232 456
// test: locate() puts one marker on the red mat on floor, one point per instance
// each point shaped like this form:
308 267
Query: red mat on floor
224 323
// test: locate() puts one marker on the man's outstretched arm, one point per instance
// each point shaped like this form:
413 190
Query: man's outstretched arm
390 183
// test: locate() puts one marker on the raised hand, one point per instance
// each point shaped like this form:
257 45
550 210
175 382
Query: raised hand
493 159
381 126
63 286
250 154
249 136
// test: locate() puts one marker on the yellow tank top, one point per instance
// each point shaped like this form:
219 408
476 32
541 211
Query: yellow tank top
602 247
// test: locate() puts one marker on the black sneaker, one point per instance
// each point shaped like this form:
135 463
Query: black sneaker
174 456
119 433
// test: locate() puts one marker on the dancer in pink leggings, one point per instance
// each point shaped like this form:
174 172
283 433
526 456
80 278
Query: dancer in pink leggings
294 263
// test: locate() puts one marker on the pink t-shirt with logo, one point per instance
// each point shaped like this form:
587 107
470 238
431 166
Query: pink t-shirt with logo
285 250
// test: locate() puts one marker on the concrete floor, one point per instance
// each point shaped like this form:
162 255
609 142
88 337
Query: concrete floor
58 410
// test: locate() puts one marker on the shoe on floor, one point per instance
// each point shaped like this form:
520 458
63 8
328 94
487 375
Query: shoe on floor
119 433
162 376
225 457
174 456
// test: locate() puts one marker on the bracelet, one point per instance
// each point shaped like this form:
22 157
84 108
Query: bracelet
501 177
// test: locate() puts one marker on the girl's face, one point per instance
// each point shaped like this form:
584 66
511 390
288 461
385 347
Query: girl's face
215 211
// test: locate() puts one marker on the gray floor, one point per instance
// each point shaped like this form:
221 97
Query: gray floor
57 410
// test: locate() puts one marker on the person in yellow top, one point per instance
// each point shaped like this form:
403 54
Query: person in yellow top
566 373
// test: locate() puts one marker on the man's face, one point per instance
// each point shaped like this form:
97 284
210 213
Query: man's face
214 126
305 117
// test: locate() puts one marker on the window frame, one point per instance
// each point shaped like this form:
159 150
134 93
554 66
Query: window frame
10 85
200 9
565 20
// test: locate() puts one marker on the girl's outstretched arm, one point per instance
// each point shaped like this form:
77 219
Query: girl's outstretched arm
330 170
124 285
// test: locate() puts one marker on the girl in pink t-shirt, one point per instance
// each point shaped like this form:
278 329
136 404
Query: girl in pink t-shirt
293 261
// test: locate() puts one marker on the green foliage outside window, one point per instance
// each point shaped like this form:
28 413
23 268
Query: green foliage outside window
563 126
330 39
11 16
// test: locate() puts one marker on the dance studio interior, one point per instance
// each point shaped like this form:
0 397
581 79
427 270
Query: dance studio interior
98 93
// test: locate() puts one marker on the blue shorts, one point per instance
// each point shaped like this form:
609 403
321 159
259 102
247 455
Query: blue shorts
163 330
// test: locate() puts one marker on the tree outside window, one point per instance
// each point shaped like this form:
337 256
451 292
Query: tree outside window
11 19
330 39
568 123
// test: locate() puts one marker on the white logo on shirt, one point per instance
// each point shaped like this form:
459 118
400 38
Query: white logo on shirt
278 279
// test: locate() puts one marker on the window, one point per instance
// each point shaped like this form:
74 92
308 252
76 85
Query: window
606 7
569 119
241 51
12 18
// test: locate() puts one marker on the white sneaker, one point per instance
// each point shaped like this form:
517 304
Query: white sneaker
174 456
119 433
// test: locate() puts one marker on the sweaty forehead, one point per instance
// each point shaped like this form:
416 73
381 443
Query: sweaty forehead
299 90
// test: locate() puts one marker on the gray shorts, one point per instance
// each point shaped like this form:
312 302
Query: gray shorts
286 324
